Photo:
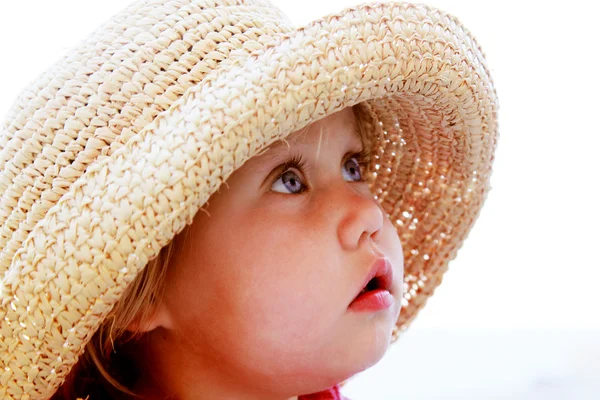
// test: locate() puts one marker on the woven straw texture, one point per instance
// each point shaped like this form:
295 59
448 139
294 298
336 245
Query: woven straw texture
111 152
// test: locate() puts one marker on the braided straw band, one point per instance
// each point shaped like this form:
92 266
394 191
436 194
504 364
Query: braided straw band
420 74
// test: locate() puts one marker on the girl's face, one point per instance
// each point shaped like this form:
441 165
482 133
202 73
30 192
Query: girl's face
257 298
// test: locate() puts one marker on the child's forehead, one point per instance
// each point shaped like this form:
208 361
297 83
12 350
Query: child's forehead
342 125
313 137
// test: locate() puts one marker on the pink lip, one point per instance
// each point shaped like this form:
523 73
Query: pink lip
373 300
380 298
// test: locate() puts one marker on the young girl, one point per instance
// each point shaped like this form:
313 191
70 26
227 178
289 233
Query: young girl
201 201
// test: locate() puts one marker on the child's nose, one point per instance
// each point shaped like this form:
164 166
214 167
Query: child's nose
360 217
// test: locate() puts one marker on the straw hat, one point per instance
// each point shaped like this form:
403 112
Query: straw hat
109 153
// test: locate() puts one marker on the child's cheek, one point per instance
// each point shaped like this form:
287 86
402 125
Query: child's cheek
290 305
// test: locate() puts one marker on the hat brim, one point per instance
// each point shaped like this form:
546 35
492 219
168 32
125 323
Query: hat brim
433 117
424 81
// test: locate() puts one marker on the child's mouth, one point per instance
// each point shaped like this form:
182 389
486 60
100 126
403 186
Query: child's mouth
375 294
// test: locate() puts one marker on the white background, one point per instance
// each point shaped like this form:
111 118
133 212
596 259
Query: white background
517 315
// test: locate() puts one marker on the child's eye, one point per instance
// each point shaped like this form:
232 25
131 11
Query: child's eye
289 181
354 168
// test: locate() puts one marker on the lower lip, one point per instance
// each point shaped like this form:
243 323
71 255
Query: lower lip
373 300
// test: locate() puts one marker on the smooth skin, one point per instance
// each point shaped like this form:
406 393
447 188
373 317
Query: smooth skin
256 300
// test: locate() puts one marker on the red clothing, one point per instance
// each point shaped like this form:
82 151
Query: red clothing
330 394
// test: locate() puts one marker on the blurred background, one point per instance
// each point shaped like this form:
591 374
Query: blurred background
517 314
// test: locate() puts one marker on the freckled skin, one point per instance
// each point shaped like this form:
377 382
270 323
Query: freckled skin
256 301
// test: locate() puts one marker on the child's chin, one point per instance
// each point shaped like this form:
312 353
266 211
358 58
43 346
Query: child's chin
360 361
375 358
375 347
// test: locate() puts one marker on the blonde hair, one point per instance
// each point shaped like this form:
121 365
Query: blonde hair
98 373
97 366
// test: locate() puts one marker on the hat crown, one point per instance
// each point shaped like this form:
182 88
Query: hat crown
106 89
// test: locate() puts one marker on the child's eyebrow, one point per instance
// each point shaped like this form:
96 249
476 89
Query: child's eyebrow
274 151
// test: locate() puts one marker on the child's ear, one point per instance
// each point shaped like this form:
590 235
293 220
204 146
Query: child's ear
159 319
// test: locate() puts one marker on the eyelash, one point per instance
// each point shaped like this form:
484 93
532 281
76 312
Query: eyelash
298 162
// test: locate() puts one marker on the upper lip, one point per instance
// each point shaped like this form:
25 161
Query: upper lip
383 273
